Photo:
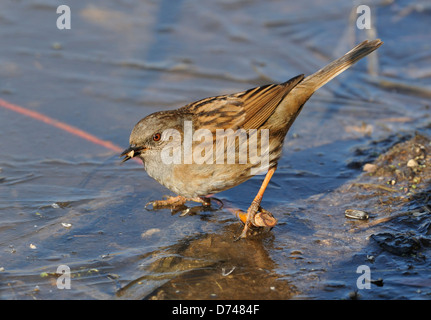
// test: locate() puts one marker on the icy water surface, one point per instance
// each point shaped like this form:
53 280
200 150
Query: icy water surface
68 201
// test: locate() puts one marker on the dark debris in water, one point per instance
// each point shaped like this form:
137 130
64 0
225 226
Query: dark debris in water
397 243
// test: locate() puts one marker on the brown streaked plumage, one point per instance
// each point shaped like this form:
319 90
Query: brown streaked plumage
273 107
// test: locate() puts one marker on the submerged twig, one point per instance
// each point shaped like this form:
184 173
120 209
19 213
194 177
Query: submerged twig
372 185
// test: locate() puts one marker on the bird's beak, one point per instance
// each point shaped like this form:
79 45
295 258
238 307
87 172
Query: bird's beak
131 152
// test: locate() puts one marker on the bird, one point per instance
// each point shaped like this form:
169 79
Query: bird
183 150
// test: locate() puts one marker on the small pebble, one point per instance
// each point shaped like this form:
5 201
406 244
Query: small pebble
369 167
150 232
412 163
356 214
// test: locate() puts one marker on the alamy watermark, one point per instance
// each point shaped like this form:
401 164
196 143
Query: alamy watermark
63 281
64 20
364 280
200 146
226 146
364 20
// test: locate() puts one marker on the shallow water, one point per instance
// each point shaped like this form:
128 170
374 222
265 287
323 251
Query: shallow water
68 201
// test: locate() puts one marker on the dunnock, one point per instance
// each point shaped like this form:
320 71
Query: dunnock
196 166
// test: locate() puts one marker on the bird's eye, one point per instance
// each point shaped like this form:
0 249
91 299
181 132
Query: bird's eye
157 137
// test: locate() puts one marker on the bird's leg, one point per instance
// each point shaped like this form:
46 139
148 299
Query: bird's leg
175 202
255 205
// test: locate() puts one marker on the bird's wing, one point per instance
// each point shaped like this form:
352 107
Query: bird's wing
247 110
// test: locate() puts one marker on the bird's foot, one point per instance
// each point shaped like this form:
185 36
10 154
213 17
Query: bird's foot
176 203
255 218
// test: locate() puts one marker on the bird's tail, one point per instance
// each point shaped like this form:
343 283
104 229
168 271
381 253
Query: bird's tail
294 101
326 74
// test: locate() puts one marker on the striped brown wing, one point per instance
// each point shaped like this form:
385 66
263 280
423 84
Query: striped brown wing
247 110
